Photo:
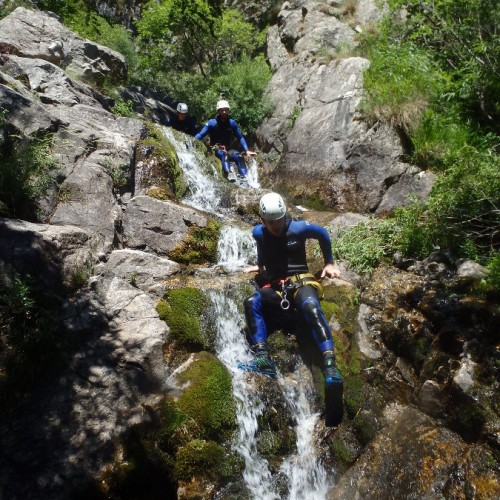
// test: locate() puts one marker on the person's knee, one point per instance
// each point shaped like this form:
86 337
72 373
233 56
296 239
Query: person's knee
311 308
252 302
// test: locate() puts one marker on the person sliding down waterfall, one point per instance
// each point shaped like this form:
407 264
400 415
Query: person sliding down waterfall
291 293
221 130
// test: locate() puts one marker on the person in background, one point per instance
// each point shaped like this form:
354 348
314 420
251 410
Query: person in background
182 121
222 130
290 292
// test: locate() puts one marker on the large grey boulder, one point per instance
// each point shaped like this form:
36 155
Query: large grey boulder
52 255
316 139
158 226
61 438
42 36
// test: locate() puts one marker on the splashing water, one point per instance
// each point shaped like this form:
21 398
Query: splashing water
204 186
253 173
230 347
307 476
236 248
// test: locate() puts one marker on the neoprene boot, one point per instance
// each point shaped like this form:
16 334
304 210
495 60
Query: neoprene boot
332 375
261 357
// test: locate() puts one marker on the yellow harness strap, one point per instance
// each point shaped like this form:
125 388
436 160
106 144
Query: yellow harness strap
306 279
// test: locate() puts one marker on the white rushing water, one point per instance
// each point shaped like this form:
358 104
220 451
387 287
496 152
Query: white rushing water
253 173
307 476
204 185
231 347
236 248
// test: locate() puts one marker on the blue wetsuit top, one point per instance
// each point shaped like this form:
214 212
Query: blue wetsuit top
285 255
221 132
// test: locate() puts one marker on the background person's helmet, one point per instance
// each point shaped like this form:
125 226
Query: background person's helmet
182 107
222 104
272 207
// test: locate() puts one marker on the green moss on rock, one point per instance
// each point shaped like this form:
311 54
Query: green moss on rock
199 246
208 399
202 458
181 309
160 166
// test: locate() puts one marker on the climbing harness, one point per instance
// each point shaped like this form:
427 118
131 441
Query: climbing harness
291 285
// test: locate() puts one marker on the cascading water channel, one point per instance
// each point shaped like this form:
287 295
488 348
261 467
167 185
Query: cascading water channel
231 346
205 191
306 476
236 249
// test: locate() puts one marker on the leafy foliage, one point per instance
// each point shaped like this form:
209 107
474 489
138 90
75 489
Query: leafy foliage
399 83
25 175
29 344
467 200
463 36
179 37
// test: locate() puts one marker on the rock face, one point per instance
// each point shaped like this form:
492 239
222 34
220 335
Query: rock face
316 138
26 34
67 432
419 363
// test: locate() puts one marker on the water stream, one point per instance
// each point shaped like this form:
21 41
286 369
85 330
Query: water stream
303 471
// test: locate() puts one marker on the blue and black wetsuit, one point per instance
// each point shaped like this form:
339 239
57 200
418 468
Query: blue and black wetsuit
188 125
284 257
222 132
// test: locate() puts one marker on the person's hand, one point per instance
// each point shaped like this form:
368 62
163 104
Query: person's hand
330 271
250 153
251 269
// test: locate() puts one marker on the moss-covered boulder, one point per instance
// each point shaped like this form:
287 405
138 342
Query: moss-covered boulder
182 309
208 398
157 166
200 245
200 457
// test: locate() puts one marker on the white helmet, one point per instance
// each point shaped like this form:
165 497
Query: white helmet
182 107
222 104
272 207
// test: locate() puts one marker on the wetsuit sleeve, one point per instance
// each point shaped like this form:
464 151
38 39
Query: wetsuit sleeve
237 133
257 234
202 133
319 233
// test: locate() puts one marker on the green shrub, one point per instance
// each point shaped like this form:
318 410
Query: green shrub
362 245
400 82
463 37
26 167
123 108
463 211
30 343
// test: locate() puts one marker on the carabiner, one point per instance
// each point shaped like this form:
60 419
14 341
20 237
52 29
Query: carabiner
285 303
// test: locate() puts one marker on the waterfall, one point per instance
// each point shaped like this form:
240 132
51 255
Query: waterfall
230 347
253 173
235 249
307 476
204 185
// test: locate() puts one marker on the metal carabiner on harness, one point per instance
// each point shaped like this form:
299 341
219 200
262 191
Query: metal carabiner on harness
285 303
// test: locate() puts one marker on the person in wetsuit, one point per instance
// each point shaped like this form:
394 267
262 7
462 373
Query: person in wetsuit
290 288
182 121
221 130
